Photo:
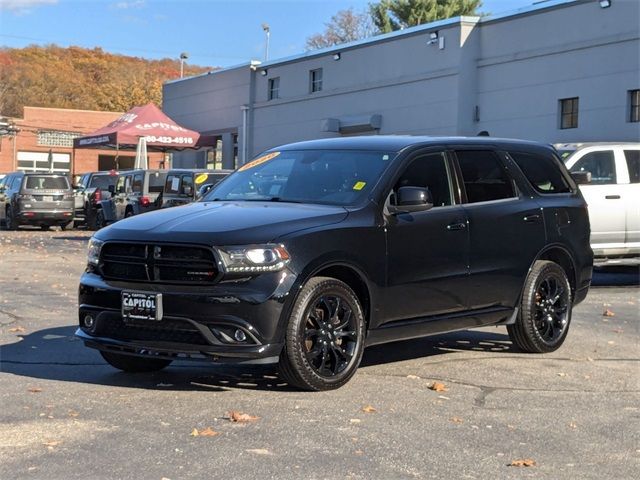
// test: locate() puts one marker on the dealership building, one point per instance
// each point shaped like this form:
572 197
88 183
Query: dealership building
559 71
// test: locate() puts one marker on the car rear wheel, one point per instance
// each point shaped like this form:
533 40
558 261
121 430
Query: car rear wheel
100 220
9 220
44 228
324 337
67 226
545 310
133 364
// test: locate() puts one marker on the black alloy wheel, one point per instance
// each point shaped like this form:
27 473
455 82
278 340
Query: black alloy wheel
325 336
545 310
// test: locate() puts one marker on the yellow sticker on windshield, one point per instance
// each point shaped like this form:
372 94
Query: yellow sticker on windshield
201 178
258 161
359 185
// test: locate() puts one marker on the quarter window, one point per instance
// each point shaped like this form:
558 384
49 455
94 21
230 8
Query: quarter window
431 172
633 165
602 166
569 113
634 105
274 88
137 183
315 80
484 176
543 172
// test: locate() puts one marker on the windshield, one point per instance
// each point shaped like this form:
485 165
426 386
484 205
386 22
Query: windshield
46 183
333 177
103 181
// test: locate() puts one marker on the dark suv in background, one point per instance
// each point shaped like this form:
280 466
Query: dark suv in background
135 192
185 186
317 249
41 199
89 190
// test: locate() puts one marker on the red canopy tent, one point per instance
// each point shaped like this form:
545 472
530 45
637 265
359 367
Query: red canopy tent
149 122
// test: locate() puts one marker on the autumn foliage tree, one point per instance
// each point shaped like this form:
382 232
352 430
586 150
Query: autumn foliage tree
74 77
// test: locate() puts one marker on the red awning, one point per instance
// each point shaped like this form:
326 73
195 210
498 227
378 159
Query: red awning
160 132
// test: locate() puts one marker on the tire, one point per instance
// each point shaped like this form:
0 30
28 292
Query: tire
543 321
45 228
100 220
91 219
9 220
67 226
133 364
128 213
324 343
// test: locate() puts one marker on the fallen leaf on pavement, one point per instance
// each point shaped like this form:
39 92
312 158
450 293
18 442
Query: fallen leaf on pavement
239 417
205 432
369 409
73 413
608 313
53 443
35 390
413 377
573 425
456 420
561 374
438 387
527 462
259 451
17 330
355 420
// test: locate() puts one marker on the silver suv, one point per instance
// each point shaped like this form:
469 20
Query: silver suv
41 199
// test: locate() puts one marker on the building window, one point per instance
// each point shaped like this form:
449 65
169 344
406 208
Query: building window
315 80
634 105
274 88
569 113
53 138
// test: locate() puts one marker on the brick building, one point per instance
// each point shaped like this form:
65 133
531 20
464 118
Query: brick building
53 129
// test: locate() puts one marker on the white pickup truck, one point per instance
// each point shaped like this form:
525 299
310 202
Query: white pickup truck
613 197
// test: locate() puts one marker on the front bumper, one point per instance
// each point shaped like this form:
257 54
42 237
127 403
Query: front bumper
198 322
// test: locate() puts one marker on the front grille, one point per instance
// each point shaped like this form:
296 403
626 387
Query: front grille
164 331
159 263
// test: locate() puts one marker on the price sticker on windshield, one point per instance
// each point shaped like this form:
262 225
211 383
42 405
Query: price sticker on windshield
259 161
201 178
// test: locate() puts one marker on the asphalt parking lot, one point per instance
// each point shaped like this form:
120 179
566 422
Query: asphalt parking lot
66 414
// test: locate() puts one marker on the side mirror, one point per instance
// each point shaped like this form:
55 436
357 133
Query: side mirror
187 190
582 177
412 199
204 190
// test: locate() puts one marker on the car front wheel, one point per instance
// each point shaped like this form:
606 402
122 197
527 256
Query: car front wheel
545 310
133 364
324 337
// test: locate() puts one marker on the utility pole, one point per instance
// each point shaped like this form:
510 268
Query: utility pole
267 32
183 57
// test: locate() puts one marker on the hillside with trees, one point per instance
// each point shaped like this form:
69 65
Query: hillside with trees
88 79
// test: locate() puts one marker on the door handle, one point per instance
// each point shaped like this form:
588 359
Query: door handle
531 218
612 197
456 226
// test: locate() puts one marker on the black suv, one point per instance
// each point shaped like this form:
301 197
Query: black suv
185 186
135 192
315 250
41 199
91 189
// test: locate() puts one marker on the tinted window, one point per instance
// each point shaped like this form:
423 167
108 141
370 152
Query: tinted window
484 177
156 181
633 164
543 172
335 177
429 171
137 182
187 181
172 185
46 183
103 181
602 166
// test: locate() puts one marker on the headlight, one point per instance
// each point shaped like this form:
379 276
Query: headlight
93 252
254 258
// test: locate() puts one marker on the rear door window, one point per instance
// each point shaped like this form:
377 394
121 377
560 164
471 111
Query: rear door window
633 165
543 172
602 166
137 182
156 181
485 179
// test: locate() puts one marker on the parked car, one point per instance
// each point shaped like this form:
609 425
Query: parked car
43 199
610 183
89 191
185 186
317 249
135 192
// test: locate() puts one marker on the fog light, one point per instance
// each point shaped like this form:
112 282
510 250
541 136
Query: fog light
88 321
239 335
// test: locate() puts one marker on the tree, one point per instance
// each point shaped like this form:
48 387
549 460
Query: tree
391 15
345 26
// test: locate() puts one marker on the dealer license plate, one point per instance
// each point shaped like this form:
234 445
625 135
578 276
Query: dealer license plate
141 306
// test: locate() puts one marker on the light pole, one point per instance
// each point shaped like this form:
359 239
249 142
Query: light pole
267 32
183 57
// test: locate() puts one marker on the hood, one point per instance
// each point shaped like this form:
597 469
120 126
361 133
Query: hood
223 223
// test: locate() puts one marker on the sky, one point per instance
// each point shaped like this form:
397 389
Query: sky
215 33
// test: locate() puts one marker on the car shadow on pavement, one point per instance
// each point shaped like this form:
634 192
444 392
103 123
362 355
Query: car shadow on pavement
55 354
616 276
